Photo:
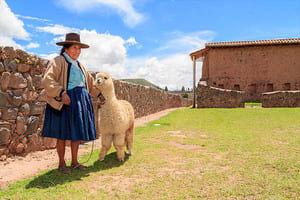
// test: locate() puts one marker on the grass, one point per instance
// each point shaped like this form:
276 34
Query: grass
251 104
141 82
190 154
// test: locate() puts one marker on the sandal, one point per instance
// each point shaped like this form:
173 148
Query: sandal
64 170
79 166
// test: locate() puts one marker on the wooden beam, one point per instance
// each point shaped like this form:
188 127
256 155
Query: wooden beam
194 82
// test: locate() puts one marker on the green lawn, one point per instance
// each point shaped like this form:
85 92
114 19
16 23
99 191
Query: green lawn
190 154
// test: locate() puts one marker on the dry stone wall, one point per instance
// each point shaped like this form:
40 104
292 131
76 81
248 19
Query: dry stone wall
23 101
211 97
281 99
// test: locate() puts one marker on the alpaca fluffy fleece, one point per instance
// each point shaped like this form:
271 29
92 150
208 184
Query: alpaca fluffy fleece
116 119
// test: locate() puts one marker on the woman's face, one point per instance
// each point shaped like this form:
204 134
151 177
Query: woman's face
74 51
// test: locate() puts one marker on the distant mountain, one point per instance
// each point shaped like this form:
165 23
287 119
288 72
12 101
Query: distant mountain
141 82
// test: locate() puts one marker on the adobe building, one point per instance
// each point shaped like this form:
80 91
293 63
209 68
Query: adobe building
254 67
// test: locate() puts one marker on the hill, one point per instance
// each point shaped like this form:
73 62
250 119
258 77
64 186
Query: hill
141 82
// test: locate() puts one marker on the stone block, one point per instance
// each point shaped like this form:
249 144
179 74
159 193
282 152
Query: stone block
14 99
36 80
9 52
3 99
10 65
37 108
23 67
9 113
20 148
2 68
42 96
25 109
29 95
22 55
17 81
5 133
5 79
34 143
21 127
33 124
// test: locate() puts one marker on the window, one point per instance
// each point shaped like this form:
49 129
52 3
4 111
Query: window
287 86
221 86
270 87
236 87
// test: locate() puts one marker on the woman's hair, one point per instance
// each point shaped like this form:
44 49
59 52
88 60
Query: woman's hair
66 46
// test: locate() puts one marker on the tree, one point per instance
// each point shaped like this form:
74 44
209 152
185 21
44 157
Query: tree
182 89
166 89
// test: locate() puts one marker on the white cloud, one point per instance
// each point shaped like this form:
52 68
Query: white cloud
57 29
8 41
48 56
131 41
33 18
106 53
174 71
10 26
187 42
123 7
32 45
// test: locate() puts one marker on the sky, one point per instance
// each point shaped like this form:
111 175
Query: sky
149 39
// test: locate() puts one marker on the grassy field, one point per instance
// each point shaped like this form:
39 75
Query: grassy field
190 154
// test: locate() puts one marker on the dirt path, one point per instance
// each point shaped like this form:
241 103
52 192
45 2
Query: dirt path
16 168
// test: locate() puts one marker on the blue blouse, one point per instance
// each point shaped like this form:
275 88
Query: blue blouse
76 78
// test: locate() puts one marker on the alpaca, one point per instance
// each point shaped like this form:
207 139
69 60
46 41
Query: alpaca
116 119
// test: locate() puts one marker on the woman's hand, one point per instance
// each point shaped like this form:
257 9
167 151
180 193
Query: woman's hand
66 99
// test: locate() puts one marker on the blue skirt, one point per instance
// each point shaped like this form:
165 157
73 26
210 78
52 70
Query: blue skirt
74 122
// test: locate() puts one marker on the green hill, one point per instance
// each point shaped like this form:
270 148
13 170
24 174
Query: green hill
141 82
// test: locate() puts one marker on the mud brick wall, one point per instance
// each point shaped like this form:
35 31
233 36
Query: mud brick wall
23 101
210 97
281 99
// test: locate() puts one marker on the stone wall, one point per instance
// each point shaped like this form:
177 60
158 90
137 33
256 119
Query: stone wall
22 102
281 99
253 69
211 97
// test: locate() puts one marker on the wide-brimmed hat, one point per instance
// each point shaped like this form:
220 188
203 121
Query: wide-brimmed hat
72 38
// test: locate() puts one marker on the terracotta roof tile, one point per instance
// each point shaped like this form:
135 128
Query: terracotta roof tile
254 43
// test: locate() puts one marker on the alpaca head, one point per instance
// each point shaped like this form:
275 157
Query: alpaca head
104 83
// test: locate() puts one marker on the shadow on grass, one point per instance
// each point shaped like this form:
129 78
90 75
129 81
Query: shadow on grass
54 177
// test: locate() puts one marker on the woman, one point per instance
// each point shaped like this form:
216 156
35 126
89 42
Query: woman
69 113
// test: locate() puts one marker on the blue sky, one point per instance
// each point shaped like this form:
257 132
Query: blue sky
149 39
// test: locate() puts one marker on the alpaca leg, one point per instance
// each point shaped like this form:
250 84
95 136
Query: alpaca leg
119 143
106 144
129 139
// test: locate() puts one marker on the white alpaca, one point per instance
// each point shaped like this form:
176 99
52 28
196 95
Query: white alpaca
116 119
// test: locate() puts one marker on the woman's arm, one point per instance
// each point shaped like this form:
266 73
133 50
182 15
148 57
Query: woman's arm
51 81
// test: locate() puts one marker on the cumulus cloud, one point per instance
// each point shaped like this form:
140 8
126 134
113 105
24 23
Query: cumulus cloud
106 53
123 7
57 29
173 71
187 42
8 41
32 45
48 56
10 27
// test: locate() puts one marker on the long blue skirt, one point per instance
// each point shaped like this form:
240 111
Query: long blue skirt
74 122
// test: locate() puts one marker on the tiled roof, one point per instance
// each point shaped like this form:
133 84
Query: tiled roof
254 43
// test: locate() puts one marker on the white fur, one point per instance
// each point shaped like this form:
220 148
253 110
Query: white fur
116 119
